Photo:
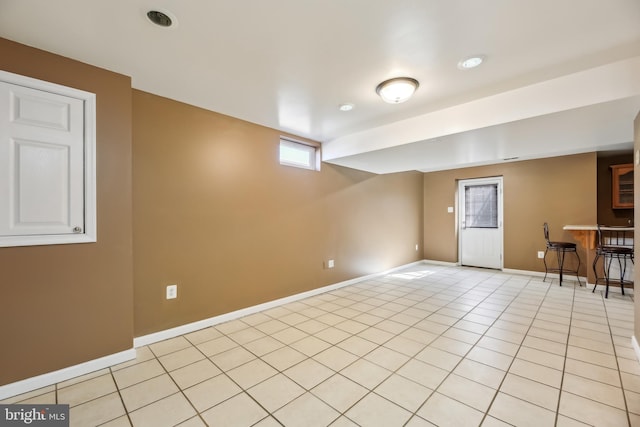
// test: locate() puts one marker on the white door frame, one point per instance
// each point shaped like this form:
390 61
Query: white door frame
461 212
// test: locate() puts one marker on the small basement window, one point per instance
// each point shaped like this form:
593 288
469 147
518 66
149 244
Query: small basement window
299 155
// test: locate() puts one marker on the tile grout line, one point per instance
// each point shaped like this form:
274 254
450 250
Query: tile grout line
358 356
615 355
257 357
224 372
590 379
410 358
512 299
377 346
293 348
288 345
198 414
566 352
415 413
481 335
126 411
486 412
343 413
110 373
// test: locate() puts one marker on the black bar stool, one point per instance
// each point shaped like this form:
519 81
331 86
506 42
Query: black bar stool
613 244
560 248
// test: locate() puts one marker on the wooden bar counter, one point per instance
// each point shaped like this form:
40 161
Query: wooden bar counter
587 237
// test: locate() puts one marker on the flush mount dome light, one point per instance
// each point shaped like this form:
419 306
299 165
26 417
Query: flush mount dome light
395 91
345 107
470 62
160 18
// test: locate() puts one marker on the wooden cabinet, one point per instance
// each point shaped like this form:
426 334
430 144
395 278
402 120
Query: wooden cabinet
622 191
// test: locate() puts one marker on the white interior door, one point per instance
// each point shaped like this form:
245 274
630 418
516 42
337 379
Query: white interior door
480 222
41 162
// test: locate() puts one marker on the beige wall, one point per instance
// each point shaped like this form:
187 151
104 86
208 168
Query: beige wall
557 190
217 214
66 304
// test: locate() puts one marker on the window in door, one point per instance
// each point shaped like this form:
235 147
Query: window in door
481 206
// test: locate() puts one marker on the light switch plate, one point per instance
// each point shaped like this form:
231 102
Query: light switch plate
172 291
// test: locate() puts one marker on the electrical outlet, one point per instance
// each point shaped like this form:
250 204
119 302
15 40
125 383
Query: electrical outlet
540 254
331 263
172 291
417 246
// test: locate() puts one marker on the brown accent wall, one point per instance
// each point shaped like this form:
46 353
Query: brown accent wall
558 190
66 304
607 215
215 213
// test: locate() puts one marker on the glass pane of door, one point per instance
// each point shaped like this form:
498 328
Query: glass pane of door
481 206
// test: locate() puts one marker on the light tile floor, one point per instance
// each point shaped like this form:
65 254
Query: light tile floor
429 345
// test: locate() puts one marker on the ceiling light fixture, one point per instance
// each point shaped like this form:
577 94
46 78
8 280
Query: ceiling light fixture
346 107
160 18
470 62
397 90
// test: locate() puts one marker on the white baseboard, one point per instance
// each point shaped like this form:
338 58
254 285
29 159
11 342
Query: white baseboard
506 270
212 321
34 383
541 274
445 263
528 272
636 347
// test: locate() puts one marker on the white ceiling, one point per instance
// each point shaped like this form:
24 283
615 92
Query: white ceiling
560 77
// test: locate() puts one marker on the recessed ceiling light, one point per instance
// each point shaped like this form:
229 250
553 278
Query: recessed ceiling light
161 19
470 62
346 107
395 91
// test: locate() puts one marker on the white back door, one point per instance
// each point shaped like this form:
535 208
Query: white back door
480 222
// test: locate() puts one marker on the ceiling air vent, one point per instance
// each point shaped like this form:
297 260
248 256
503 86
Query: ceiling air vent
159 18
